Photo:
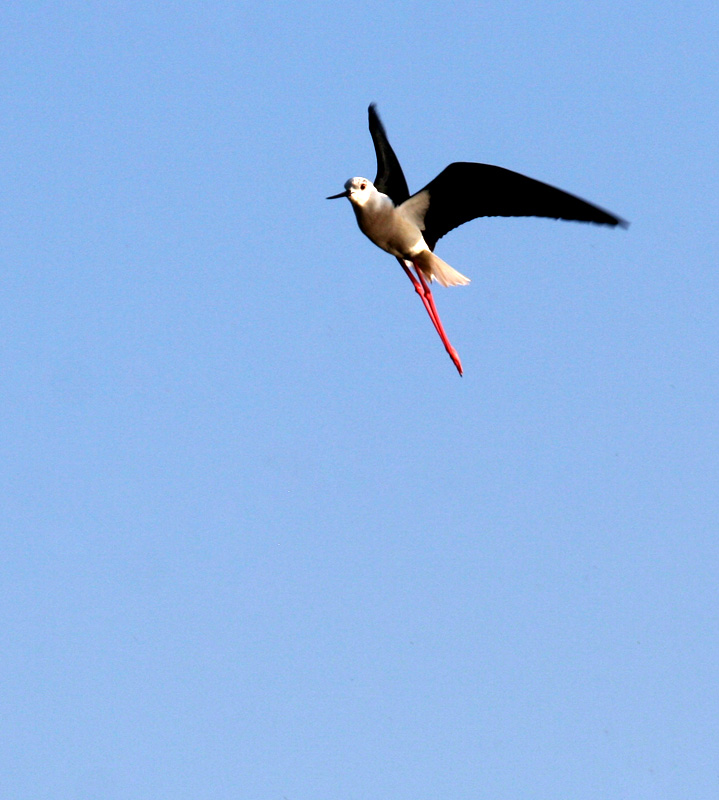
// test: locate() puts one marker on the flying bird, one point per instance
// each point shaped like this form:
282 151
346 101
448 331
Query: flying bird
409 226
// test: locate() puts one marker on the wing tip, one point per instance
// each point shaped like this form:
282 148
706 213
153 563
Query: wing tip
611 220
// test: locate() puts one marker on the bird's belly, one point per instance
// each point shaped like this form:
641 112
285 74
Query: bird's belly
400 240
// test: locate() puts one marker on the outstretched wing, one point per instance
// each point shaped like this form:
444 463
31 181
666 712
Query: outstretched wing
465 191
390 178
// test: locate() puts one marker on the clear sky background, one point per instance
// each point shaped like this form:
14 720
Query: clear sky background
259 540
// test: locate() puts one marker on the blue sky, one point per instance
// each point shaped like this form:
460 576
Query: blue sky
260 541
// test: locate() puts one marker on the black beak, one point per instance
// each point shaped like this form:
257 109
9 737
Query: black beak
341 194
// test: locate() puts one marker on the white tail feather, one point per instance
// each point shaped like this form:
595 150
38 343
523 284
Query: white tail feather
434 269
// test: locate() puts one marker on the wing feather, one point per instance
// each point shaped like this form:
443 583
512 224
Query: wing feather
390 179
465 191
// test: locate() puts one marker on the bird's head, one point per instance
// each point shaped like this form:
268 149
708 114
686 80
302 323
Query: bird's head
357 190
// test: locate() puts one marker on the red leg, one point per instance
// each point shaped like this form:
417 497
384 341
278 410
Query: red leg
422 288
421 292
453 354
435 313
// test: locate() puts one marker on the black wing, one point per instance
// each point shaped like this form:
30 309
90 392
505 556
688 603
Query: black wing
465 191
390 178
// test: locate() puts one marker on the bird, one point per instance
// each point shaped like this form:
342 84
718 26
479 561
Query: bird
409 226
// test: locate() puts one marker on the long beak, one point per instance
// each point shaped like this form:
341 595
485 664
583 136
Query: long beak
346 193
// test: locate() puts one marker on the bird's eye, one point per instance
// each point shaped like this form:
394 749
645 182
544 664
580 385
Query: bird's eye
363 186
